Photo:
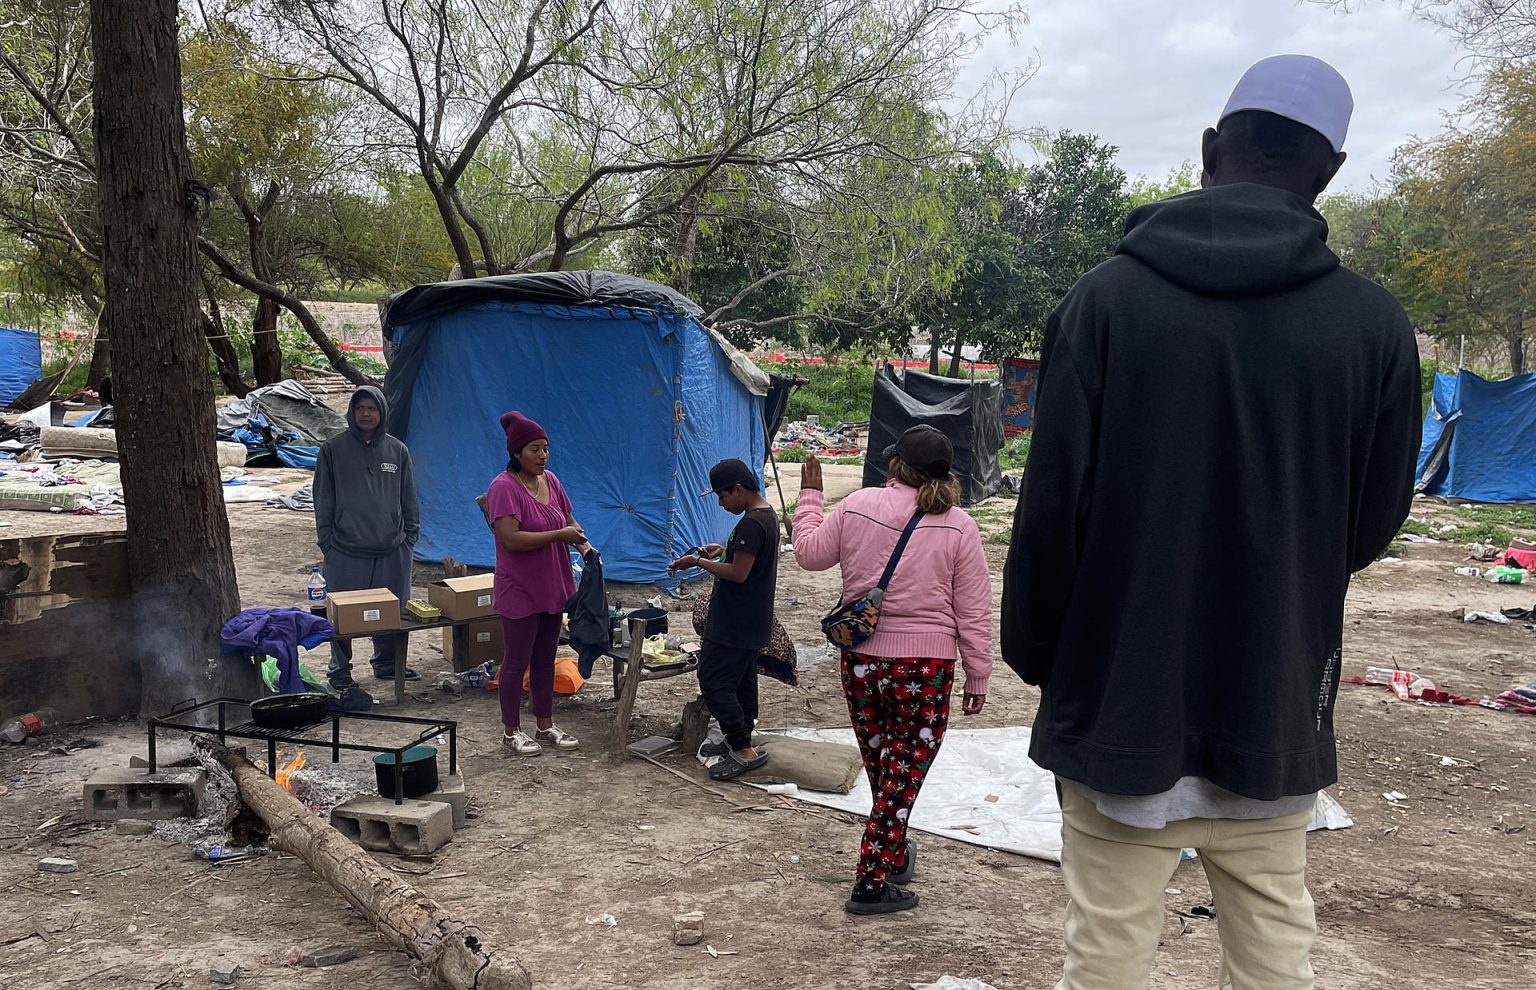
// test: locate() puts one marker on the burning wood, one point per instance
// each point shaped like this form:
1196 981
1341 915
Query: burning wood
285 772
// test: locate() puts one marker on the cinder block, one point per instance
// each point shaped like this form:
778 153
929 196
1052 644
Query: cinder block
118 794
411 828
450 791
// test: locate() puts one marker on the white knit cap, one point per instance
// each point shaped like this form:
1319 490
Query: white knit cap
1301 88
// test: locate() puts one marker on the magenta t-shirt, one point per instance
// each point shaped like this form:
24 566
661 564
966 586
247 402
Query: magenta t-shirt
530 581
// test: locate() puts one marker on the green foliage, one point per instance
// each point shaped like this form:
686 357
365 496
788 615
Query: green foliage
1515 516
1142 190
839 391
1415 527
1015 453
792 455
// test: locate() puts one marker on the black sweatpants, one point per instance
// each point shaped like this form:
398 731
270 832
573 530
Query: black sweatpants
728 681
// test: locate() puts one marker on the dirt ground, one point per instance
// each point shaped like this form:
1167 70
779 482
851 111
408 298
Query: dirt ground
1438 890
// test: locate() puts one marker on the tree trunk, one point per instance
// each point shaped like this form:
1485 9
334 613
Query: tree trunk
455 951
225 358
954 359
179 559
1516 340
686 247
933 354
266 354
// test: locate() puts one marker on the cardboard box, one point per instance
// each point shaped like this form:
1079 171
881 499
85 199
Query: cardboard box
375 610
485 643
463 597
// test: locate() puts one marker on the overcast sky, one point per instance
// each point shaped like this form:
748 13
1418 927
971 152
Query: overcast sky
1149 75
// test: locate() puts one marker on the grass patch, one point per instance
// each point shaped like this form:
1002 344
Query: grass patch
1515 516
1394 549
838 391
791 455
1417 527
1015 453
1002 537
1489 533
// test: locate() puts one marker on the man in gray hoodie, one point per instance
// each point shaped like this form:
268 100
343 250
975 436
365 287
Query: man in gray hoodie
366 521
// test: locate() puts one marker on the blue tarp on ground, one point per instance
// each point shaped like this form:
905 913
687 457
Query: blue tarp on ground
606 381
1480 439
21 362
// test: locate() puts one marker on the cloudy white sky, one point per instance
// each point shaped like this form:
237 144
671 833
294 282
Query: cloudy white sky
1149 75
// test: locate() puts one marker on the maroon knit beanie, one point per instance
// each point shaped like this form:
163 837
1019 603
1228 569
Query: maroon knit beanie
521 431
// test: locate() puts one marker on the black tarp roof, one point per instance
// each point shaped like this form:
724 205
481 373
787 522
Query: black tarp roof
568 288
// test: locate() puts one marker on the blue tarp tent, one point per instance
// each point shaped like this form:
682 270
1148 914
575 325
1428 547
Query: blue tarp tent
21 362
639 400
1480 439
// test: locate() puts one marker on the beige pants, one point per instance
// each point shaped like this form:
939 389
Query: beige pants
1116 876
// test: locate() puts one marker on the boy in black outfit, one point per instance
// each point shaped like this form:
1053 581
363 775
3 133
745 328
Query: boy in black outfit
740 620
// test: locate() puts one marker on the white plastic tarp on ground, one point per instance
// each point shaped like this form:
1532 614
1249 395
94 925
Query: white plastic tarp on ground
977 764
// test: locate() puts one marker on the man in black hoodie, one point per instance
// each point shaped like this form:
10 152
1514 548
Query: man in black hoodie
366 521
1227 427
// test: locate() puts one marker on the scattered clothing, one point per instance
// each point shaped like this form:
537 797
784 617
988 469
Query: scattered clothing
278 632
302 500
778 660
587 615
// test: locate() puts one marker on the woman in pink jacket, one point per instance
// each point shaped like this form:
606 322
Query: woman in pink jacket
898 683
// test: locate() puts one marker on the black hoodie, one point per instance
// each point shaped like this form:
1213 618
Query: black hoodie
365 490
1226 430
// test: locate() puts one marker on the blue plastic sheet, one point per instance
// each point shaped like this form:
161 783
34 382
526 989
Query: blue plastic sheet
638 405
21 362
1478 439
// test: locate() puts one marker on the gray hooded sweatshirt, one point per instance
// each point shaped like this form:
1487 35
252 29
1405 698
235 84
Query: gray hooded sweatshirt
365 490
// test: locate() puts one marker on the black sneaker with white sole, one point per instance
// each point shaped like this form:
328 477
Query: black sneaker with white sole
891 900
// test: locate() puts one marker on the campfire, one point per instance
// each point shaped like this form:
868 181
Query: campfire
284 776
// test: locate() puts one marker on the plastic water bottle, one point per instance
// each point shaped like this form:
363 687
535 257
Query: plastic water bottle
1404 683
315 591
35 723
1505 575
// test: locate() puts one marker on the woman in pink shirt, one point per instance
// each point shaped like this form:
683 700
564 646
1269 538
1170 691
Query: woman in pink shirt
532 519
938 604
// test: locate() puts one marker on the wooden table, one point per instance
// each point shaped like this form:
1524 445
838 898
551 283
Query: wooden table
402 636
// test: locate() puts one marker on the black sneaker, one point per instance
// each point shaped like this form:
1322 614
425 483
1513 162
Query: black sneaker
389 675
891 900
341 682
903 876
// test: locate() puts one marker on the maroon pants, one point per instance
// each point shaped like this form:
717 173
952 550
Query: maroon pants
529 646
900 709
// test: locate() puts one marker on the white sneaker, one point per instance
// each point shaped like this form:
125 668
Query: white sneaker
556 737
521 743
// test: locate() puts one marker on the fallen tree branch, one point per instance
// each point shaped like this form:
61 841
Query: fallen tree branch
454 951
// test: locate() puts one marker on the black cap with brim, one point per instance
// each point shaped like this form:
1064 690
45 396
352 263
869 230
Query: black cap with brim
727 475
925 449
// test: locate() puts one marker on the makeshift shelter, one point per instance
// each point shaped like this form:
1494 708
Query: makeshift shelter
638 397
968 412
283 423
1478 439
21 362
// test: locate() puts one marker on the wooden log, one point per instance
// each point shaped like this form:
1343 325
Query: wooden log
629 689
454 951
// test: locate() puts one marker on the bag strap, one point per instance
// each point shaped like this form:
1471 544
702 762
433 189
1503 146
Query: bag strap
901 544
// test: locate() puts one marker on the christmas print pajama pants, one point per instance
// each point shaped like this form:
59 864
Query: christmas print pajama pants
900 709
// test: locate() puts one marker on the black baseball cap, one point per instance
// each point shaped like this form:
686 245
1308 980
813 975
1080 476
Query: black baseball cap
925 449
727 475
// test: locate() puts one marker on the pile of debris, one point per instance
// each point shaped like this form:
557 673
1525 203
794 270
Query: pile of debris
810 435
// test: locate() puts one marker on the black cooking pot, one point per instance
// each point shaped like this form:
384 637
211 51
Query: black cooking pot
290 711
655 619
418 772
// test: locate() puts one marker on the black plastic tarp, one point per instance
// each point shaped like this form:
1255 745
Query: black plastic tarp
969 413
572 288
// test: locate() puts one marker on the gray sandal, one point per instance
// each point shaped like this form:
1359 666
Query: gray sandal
730 766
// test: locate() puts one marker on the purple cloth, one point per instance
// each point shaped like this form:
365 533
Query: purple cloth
278 632
530 581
